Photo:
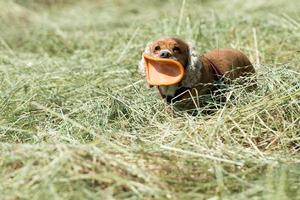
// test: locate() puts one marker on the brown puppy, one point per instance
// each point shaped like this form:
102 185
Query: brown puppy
201 71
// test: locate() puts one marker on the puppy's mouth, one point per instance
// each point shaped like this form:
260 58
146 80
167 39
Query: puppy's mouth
170 57
163 71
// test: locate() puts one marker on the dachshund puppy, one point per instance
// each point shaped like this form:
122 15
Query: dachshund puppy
201 71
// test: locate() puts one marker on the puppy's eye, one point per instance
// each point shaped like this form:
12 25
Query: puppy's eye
176 49
157 48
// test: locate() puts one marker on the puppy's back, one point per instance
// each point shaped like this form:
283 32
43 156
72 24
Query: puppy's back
231 62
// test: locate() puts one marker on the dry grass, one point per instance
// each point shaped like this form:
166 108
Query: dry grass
77 122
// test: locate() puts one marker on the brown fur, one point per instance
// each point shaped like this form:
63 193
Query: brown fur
231 63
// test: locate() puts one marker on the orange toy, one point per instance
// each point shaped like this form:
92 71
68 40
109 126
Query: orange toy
162 71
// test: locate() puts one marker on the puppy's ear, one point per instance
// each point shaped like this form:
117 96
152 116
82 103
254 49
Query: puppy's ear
193 68
141 66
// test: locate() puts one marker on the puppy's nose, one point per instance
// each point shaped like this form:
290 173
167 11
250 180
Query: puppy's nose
164 54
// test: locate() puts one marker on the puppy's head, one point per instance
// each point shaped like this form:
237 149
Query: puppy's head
176 49
171 48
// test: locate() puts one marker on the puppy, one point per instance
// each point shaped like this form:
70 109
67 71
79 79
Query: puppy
201 71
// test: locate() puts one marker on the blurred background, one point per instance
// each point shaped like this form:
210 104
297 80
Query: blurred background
63 27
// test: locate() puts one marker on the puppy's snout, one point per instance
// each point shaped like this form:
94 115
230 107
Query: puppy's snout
165 54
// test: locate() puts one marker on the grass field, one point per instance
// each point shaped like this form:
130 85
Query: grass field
78 122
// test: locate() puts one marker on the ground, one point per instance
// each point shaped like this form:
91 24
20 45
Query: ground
78 122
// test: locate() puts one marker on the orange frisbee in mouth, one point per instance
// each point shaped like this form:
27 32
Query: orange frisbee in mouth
163 71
